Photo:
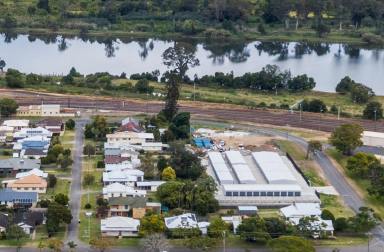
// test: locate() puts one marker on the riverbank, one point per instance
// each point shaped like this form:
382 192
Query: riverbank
277 34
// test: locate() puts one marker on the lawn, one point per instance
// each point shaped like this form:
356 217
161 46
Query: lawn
62 186
342 241
335 205
269 213
68 139
361 184
89 166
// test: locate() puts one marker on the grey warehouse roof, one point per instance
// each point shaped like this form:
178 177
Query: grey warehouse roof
19 164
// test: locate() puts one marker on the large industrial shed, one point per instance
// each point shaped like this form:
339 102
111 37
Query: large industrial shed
273 167
220 168
240 167
259 190
371 138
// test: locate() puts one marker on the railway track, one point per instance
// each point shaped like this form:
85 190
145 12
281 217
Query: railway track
280 118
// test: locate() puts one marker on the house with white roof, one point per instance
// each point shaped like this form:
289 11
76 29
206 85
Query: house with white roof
124 165
31 132
149 185
6 134
118 226
187 220
135 140
16 124
120 190
34 171
126 177
300 210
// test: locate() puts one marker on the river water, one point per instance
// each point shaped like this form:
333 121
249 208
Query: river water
326 63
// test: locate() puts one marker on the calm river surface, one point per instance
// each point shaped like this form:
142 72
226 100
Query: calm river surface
327 63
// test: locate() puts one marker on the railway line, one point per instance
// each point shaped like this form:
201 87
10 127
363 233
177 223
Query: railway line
273 117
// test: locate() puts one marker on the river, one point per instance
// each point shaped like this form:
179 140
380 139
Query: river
326 63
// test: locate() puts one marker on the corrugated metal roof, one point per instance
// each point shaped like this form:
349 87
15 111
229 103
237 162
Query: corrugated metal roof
240 167
262 187
273 167
220 168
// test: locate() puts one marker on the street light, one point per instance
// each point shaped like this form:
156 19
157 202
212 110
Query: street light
375 111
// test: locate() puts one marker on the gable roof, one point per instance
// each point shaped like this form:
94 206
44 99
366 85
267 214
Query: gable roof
115 159
35 171
29 181
16 123
14 196
51 122
119 188
133 202
301 209
19 163
120 223
34 152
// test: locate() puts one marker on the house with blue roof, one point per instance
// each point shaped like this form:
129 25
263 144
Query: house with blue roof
11 198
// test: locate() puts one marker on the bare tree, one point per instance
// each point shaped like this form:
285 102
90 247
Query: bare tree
155 243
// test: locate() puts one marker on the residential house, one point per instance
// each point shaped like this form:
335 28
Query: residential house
54 125
33 153
187 220
123 166
130 125
130 138
35 171
121 161
6 134
118 226
149 185
233 221
35 142
27 220
300 210
126 177
119 190
32 132
16 199
30 183
134 207
295 212
11 166
16 124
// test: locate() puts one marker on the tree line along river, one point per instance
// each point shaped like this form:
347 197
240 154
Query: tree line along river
326 63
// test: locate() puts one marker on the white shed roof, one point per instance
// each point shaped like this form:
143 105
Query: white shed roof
299 210
235 157
118 223
373 134
273 167
220 168
262 187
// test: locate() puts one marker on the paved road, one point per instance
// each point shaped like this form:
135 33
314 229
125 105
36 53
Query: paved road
75 197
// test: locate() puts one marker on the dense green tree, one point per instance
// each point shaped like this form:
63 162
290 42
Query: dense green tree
2 65
291 244
359 164
70 124
142 86
8 107
185 163
168 174
340 224
277 227
62 199
56 215
327 215
373 111
64 161
151 223
43 4
363 221
180 126
345 85
253 229
313 146
98 129
88 179
361 93
55 244
14 79
170 194
218 227
346 138
51 180
179 58
301 83
376 178
161 163
89 150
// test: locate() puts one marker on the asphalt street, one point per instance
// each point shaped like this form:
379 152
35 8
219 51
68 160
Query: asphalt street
75 194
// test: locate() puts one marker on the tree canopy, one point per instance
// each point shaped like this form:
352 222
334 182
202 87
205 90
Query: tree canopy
347 137
8 107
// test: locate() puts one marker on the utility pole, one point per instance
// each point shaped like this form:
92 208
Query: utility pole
194 91
224 249
338 113
375 111
301 112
